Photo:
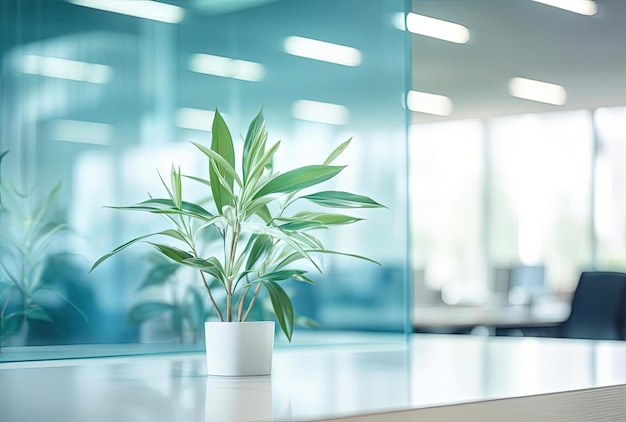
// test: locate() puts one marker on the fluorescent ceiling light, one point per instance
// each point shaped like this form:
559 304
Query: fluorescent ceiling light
543 92
55 67
437 28
227 67
583 7
145 9
424 102
81 132
315 111
195 118
324 51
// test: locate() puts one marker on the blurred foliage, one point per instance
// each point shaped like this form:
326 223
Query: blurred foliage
184 309
26 233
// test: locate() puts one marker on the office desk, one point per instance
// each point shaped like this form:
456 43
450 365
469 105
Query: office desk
395 381
493 317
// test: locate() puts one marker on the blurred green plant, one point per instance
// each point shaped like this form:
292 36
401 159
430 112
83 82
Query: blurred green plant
26 233
258 241
185 310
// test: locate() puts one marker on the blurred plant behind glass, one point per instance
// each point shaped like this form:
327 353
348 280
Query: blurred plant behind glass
30 291
166 298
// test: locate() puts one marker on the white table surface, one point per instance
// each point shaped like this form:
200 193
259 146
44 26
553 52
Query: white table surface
308 382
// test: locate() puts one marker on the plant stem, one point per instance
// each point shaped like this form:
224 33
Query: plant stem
231 264
191 244
208 289
251 305
229 302
206 284
241 303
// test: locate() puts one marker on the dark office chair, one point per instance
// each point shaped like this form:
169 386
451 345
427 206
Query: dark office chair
598 307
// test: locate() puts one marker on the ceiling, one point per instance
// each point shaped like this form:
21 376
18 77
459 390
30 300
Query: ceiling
586 55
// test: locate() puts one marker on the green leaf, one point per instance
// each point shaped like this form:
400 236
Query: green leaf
306 239
38 313
305 279
167 206
301 225
297 256
169 232
148 310
283 309
281 275
279 234
172 252
339 199
219 160
210 223
177 188
337 152
259 207
260 245
230 214
293 257
259 166
222 144
299 178
264 213
167 189
225 184
210 266
197 179
327 219
254 137
329 252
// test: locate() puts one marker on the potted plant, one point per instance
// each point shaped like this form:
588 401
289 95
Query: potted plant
260 242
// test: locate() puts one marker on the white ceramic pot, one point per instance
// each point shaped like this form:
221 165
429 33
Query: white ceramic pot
239 348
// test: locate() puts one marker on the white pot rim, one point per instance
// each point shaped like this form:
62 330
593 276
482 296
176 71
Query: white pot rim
237 322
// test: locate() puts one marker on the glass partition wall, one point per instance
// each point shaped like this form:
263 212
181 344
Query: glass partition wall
96 102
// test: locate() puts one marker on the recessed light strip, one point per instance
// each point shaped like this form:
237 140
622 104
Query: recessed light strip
533 90
82 132
323 51
226 67
583 7
425 102
437 28
316 111
55 67
145 9
195 118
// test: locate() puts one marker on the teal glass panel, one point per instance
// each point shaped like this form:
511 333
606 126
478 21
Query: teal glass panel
96 104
